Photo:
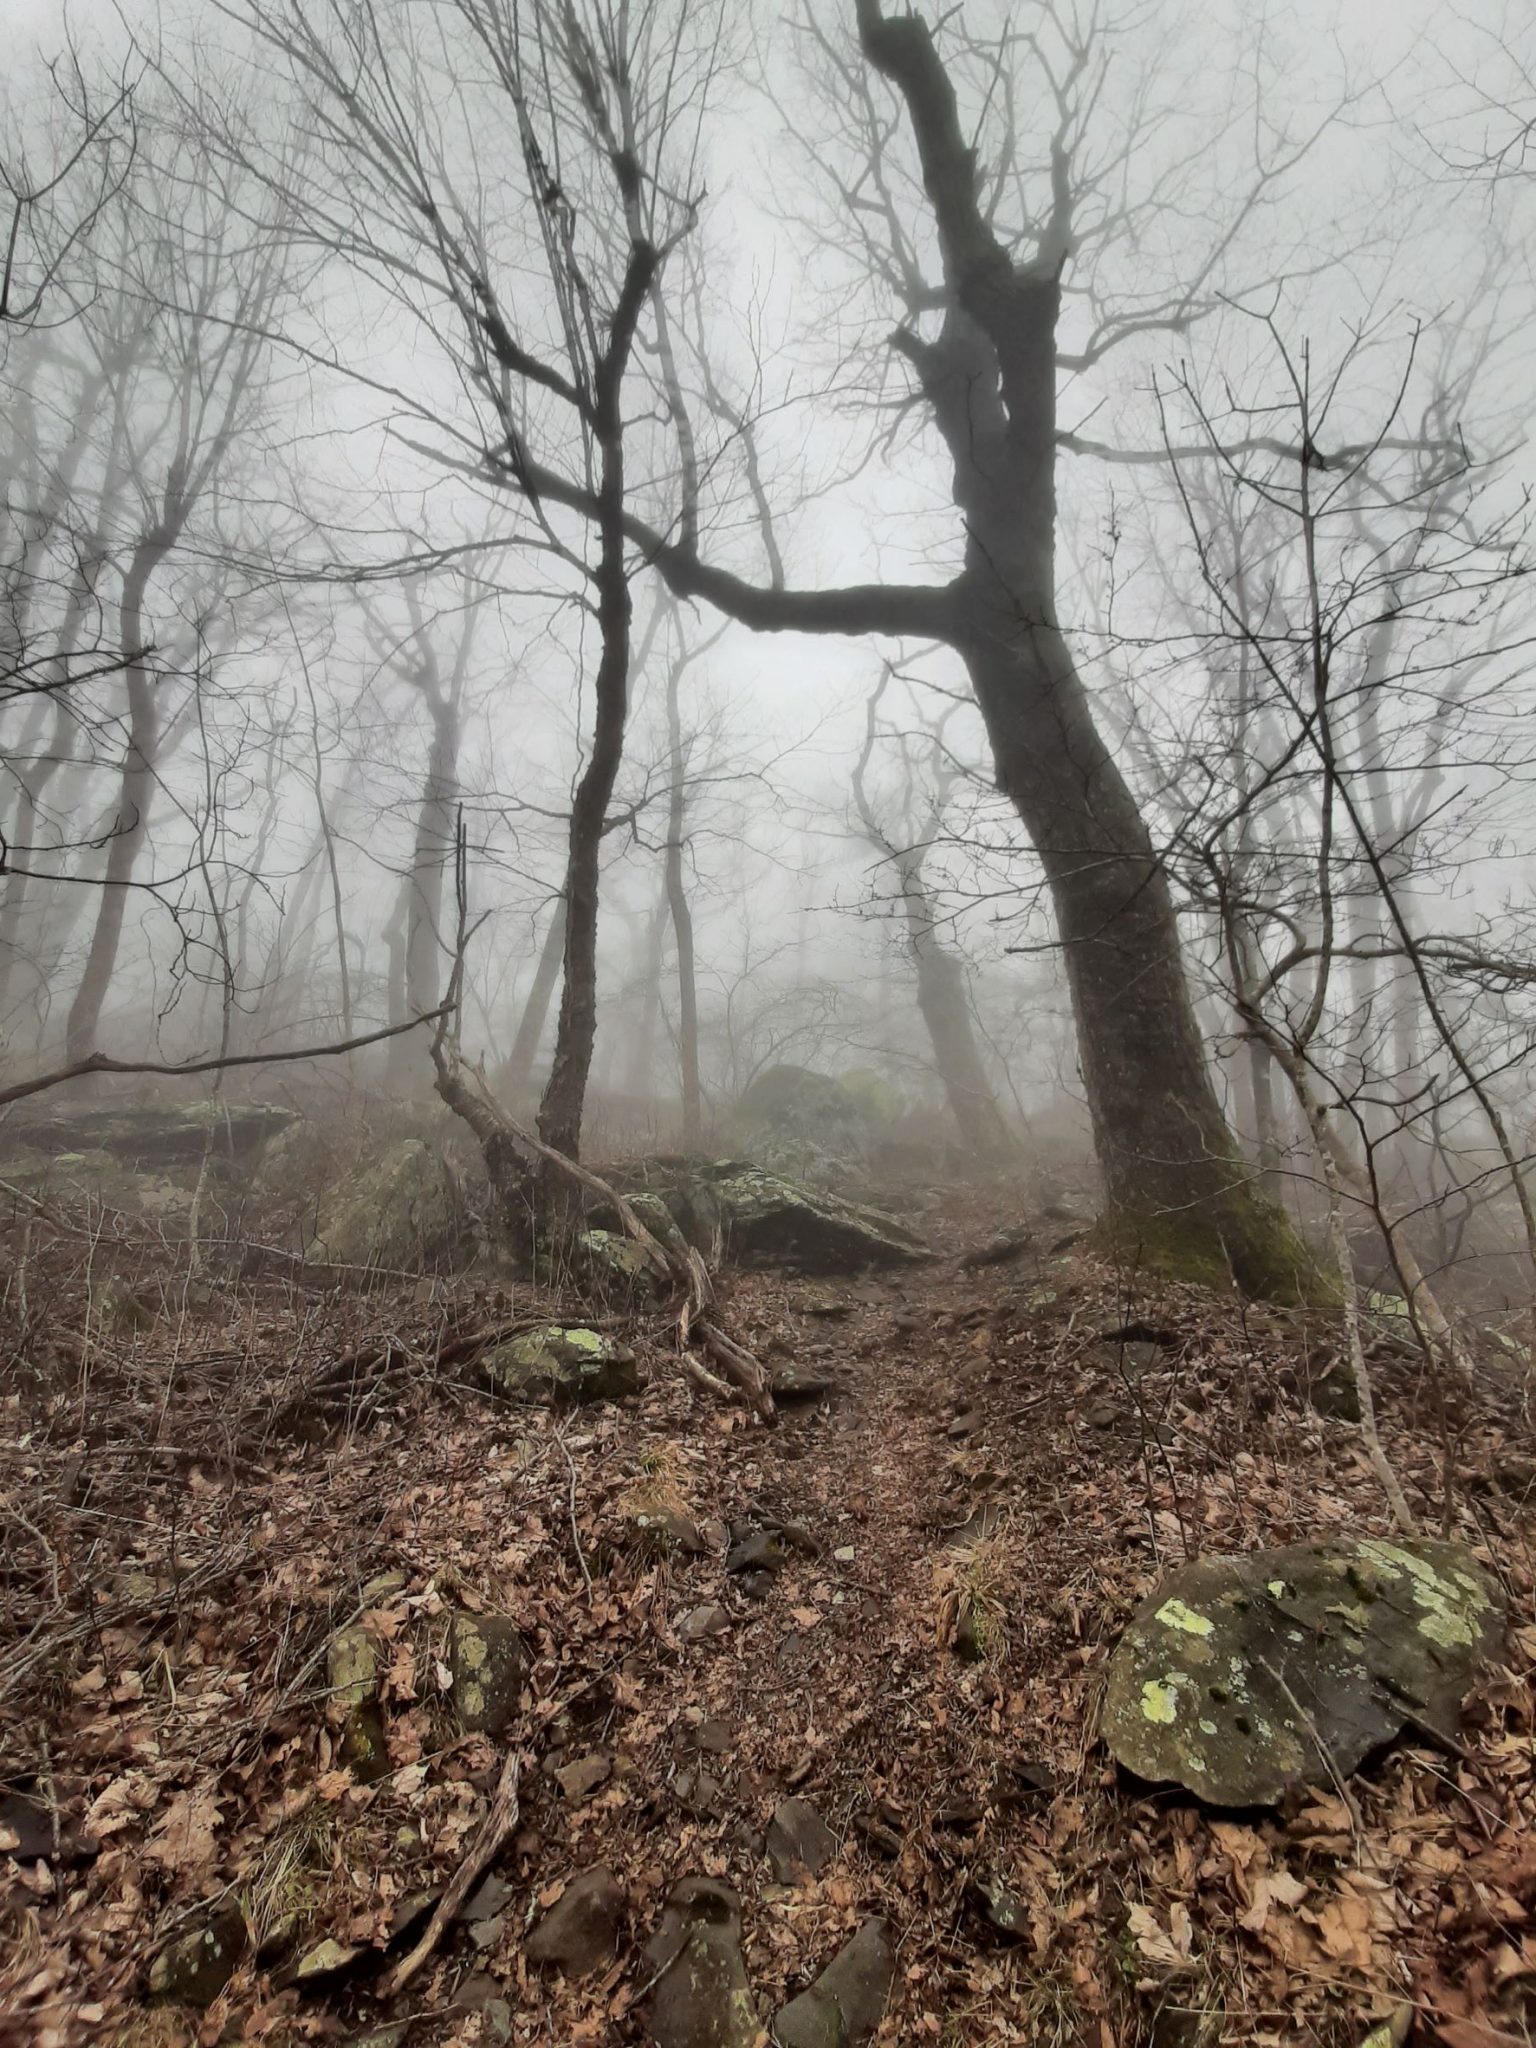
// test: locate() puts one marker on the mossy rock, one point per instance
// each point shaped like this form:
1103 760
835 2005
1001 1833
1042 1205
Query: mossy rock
563 1363
352 1669
617 1265
194 1969
488 1663
402 1211
1242 1677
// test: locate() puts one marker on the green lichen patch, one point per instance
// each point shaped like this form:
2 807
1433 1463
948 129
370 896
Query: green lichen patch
1244 1676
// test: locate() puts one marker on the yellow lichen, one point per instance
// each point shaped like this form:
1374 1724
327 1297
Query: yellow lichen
1160 1699
1174 1614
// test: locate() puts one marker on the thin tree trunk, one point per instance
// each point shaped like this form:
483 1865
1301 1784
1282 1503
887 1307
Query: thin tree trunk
641 1077
564 1098
944 1001
530 1027
135 793
682 920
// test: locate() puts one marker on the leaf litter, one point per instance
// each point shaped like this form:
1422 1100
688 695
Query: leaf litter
196 1507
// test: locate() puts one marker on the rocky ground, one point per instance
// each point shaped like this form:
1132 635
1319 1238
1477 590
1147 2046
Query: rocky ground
286 1588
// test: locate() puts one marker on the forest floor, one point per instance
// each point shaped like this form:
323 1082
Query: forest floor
198 1482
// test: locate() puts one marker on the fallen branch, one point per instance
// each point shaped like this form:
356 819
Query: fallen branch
494 1830
103 1063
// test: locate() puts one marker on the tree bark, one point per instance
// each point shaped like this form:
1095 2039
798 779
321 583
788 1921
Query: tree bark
564 1098
135 794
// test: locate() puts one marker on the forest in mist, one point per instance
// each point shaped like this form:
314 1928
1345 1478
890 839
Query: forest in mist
594 439
767 1006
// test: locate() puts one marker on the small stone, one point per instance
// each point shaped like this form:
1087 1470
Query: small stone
845 1554
701 1623
713 1736
326 1959
701 1794
1102 1415
490 1898
579 1780
846 2004
756 1585
578 1932
793 1381
662 1532
799 1537
195 1969
484 1934
999 1906
800 1844
761 1550
967 1424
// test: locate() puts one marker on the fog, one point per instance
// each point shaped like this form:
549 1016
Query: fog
307 578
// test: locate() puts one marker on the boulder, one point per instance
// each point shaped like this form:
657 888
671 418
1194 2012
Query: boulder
758 1217
1242 1677
578 1932
845 2005
564 1363
153 1137
403 1210
771 1221
797 1121
487 1663
701 1997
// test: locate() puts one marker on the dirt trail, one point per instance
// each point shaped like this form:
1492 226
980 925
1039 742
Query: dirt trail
938 1547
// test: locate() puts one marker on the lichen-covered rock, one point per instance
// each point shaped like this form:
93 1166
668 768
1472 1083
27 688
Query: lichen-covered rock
564 1363
487 1663
195 1969
701 1997
1244 1676
846 2003
402 1210
617 1265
